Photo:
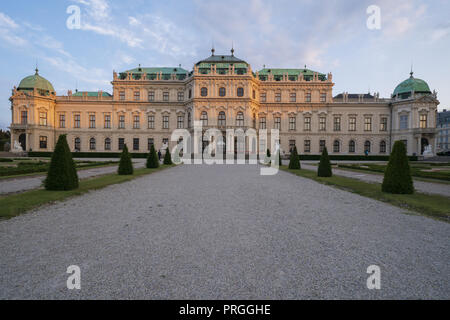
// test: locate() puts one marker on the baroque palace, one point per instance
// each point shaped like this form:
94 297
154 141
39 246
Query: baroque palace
223 92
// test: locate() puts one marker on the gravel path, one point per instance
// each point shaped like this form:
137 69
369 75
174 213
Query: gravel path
223 232
425 187
24 183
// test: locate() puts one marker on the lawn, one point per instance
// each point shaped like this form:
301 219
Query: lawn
20 167
434 206
13 205
437 171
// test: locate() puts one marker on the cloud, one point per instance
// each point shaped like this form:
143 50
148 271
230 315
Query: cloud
7 22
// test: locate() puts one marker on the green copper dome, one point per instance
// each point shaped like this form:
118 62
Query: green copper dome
36 82
412 84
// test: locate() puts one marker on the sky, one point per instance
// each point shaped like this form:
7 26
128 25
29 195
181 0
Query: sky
326 36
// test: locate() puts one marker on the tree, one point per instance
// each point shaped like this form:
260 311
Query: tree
167 157
397 177
294 162
62 173
125 164
152 159
324 169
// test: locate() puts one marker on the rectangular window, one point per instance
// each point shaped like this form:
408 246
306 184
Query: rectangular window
137 96
337 124
383 124
150 143
121 143
92 121
352 124
277 123
151 96
24 117
165 96
180 122
291 145
108 144
293 97
308 97
321 145
292 123
323 97
122 95
77 121
322 124
263 97
165 122
151 122
307 124
136 144
180 96
165 141
262 123
367 124
43 142
122 122
403 122
423 121
278 97
107 121
62 120
136 122
307 146
43 118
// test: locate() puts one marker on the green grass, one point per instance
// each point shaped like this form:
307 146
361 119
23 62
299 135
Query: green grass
14 205
434 206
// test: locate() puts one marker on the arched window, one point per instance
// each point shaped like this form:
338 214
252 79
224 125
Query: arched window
222 92
336 146
92 144
222 120
107 144
204 118
204 92
240 92
240 119
77 144
383 146
367 146
351 146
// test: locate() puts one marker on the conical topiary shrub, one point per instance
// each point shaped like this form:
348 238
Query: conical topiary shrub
62 174
324 169
167 157
280 162
397 177
125 165
267 158
294 162
152 159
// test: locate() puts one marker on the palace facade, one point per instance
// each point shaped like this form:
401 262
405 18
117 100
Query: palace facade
223 92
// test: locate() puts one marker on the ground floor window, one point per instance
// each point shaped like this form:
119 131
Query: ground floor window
121 143
351 146
150 143
383 146
336 146
307 146
43 142
136 144
321 145
77 144
107 144
92 144
367 147
291 145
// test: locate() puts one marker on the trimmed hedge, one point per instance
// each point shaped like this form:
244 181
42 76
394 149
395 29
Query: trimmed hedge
294 162
168 158
152 160
125 165
397 177
324 169
62 174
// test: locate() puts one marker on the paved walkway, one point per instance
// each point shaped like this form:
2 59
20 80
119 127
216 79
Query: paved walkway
223 232
25 183
425 187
